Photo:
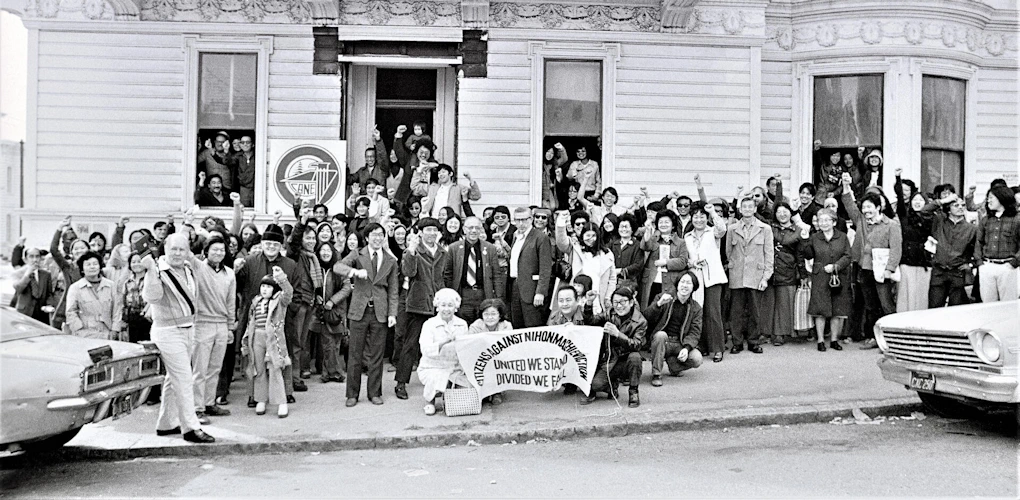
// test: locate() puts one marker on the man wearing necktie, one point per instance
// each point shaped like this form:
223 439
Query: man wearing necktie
373 272
34 289
530 271
473 270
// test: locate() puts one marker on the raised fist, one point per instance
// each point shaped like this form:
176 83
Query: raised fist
235 197
123 221
697 177
279 275
846 179
201 177
401 130
898 171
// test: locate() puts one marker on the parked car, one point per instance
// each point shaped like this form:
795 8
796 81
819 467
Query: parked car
54 384
957 358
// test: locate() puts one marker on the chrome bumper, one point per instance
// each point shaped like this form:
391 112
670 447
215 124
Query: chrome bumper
98 397
958 382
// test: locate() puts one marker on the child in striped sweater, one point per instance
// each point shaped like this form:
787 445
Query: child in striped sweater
265 344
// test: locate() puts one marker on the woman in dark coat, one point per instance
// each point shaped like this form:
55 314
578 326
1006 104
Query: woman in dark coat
781 293
830 250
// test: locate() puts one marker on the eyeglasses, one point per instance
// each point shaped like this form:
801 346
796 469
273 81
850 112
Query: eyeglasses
684 205
541 217
500 216
620 302
757 196
579 223
245 142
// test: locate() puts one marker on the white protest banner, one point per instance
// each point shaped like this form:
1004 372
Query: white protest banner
539 359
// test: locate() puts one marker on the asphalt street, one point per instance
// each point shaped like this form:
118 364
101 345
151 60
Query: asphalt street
889 458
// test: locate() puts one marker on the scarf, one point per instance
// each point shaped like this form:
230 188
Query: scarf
314 268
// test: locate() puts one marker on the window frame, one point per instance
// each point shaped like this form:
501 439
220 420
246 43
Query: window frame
959 71
194 46
802 138
539 52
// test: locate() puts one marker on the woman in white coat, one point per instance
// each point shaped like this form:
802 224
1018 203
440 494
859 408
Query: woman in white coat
590 256
705 261
439 366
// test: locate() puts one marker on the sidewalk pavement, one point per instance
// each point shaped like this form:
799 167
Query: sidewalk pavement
786 385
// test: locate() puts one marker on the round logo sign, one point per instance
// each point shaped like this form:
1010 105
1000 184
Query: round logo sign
307 171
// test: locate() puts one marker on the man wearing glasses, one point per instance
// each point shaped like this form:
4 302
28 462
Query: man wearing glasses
473 271
531 257
249 280
373 309
246 171
624 328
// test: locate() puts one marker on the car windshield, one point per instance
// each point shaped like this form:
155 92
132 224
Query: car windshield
17 326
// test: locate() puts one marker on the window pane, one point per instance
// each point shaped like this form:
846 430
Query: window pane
226 94
943 102
573 98
941 167
848 111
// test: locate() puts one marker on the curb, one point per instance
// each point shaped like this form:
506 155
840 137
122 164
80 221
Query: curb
696 421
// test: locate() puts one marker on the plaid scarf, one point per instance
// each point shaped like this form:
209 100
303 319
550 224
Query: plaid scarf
314 269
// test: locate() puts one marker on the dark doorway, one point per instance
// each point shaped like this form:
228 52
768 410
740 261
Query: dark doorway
403 97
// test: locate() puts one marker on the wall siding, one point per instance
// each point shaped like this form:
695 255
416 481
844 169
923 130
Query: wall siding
110 113
776 120
997 148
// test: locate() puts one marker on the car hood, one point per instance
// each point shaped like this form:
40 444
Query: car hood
994 316
66 349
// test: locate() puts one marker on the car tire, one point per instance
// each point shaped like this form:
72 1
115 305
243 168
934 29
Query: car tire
946 407
51 443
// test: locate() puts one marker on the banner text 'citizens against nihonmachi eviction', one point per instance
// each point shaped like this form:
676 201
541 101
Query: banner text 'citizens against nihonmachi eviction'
538 359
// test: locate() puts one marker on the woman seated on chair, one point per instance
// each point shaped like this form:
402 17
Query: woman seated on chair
439 367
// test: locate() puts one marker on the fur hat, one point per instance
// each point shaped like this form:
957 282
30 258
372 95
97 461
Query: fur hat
273 233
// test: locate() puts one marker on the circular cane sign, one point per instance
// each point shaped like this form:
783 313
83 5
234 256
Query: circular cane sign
307 171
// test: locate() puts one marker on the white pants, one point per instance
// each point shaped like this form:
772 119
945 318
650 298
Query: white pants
207 350
998 282
178 406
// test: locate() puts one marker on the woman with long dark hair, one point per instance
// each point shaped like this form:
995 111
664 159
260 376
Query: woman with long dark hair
589 255
782 289
453 229
916 218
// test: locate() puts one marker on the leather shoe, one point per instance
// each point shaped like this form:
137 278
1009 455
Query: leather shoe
222 401
299 386
401 391
777 341
376 400
290 399
586 400
756 349
168 432
718 357
736 349
497 399
835 346
351 402
821 347
198 436
635 400
251 402
216 411
657 381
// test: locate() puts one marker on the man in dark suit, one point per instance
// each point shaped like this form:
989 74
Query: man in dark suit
34 289
530 269
373 309
472 270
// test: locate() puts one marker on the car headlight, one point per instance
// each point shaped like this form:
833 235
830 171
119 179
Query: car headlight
880 339
987 346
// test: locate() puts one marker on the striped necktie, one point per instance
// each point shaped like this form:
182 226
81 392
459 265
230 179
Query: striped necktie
472 266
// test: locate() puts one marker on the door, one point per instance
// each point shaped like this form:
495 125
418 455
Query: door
389 97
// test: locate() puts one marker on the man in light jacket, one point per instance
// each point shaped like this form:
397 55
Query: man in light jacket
751 255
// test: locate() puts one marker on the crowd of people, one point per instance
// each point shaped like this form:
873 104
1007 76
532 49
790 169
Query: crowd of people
413 266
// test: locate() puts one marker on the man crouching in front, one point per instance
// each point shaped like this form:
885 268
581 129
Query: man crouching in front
624 328
677 330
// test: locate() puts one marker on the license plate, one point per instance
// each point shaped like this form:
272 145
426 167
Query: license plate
121 405
922 381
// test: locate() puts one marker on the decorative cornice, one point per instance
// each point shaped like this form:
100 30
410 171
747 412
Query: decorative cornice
92 10
573 16
227 11
400 13
906 32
